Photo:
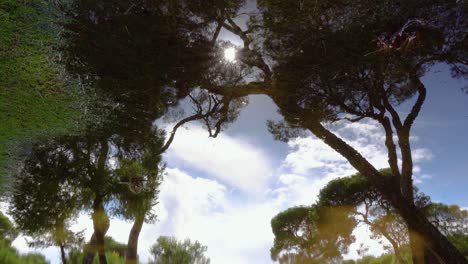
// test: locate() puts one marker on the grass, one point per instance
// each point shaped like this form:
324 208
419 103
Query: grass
36 97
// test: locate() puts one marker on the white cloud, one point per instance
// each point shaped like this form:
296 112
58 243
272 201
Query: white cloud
310 156
226 158
420 178
236 225
201 209
294 190
363 237
422 154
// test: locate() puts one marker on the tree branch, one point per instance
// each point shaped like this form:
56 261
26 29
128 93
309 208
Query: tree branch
392 151
174 130
249 56
418 105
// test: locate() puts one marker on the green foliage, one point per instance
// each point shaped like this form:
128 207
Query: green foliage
36 96
168 250
114 246
311 234
347 191
460 241
7 231
9 255
111 256
115 252
386 258
449 219
297 231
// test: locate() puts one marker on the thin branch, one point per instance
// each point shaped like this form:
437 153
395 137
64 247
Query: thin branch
395 117
251 57
418 105
174 130
216 34
390 144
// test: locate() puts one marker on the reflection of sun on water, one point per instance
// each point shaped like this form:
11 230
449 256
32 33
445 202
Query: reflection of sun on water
230 54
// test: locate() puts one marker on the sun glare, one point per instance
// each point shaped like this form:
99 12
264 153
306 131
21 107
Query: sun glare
230 54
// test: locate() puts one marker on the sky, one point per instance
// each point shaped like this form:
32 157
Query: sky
224 191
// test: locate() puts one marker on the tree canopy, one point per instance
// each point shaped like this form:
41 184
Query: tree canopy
171 251
320 62
354 201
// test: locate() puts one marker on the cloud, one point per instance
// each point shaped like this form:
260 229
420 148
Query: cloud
236 225
363 238
203 210
311 157
225 158
422 154
295 190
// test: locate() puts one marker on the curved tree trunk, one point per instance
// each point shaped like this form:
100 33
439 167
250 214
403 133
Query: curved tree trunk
100 225
132 245
417 223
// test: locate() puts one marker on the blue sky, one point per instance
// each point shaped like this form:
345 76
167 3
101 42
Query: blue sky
224 191
442 127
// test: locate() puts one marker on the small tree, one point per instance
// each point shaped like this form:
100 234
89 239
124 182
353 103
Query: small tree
311 234
299 230
168 250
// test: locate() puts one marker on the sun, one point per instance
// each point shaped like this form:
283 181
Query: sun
230 54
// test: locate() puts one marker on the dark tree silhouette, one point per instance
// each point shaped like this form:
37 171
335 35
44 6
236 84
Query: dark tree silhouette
351 60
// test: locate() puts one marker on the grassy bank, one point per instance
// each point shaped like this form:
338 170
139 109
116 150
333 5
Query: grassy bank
36 98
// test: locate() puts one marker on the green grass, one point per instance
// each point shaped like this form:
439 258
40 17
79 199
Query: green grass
36 97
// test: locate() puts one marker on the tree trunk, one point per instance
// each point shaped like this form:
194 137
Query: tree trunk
63 255
399 259
90 251
417 247
132 245
396 248
100 247
100 225
100 218
390 190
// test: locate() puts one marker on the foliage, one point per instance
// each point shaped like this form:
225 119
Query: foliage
36 96
7 231
168 250
461 242
111 256
385 258
297 232
115 252
311 234
449 219
9 255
